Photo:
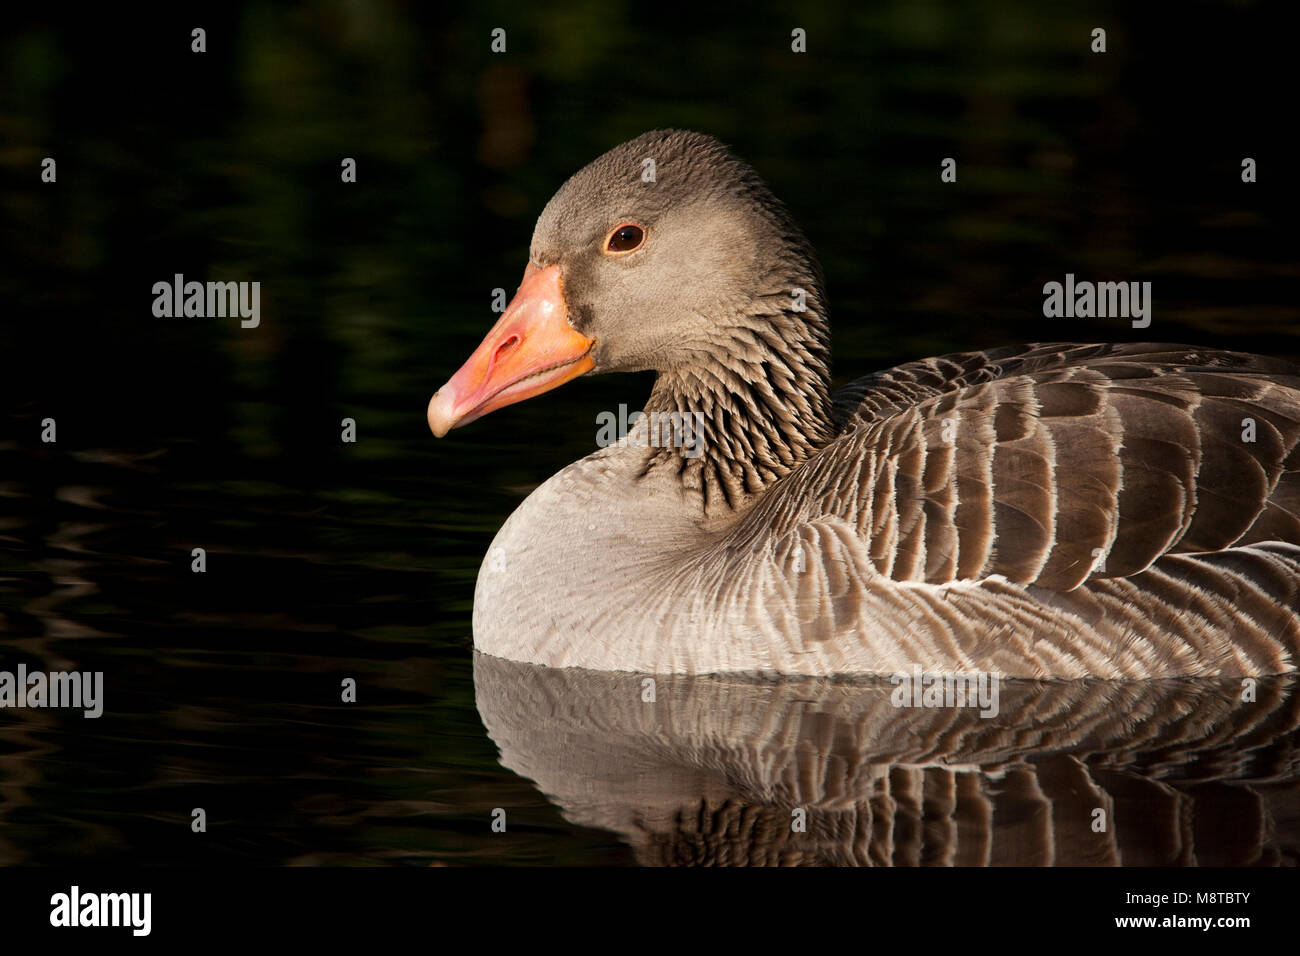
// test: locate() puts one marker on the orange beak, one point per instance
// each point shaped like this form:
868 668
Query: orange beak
531 350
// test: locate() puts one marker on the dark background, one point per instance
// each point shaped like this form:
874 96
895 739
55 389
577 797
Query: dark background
329 560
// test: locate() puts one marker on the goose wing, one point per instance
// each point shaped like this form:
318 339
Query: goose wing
1054 464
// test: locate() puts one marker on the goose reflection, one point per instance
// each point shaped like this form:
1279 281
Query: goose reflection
807 771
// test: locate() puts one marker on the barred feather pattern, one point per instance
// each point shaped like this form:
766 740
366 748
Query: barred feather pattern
1053 465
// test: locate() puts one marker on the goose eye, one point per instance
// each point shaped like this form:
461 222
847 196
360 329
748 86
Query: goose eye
626 238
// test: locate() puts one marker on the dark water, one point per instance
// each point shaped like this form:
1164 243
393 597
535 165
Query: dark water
329 561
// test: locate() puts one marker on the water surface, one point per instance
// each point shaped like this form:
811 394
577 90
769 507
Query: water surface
328 561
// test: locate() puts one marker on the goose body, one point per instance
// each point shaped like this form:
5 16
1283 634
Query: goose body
1064 511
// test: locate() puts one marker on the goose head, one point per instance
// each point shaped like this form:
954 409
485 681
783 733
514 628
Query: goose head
667 254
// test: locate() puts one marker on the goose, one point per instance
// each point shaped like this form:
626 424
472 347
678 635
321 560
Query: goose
1118 511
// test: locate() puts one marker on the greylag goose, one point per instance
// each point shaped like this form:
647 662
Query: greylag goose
1048 511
